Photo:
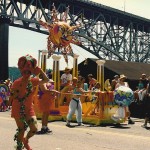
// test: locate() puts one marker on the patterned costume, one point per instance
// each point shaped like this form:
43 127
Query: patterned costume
22 92
20 88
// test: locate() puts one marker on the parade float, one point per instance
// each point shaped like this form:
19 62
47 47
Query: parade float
97 107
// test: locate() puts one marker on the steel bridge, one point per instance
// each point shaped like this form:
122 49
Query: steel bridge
105 32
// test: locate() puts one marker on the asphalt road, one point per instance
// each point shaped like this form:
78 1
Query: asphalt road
126 137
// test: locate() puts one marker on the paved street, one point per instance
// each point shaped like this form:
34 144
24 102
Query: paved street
127 137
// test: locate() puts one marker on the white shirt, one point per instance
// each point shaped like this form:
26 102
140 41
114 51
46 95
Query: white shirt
66 77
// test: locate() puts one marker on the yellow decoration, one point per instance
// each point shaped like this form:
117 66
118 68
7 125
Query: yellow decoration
60 34
107 85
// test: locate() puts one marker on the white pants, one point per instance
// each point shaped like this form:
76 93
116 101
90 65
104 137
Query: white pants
141 94
75 106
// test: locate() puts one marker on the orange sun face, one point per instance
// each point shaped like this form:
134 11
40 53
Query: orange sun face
60 34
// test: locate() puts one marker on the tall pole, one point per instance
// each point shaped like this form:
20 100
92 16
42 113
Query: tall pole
124 5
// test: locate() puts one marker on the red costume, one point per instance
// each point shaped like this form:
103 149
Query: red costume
21 90
46 99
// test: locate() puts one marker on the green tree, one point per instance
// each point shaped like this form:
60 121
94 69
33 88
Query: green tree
14 73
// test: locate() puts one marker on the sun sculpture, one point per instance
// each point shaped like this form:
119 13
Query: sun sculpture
60 34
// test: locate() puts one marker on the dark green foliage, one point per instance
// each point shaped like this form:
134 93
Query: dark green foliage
14 73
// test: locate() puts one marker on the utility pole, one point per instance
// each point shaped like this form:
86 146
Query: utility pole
124 5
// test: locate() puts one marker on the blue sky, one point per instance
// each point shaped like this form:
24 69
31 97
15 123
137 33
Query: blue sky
22 42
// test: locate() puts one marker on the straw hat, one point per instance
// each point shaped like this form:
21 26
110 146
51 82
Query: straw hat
143 74
67 69
122 76
74 78
116 76
7 80
50 80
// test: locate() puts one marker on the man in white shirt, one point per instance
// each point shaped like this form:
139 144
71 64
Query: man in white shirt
66 78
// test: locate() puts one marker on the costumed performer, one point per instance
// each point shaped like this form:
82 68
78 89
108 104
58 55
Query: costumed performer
8 83
75 105
47 95
123 96
4 92
22 92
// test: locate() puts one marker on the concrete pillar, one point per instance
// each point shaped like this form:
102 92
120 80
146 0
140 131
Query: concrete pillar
39 57
56 72
100 73
43 60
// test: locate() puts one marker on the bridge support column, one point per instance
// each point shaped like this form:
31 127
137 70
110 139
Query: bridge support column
75 66
100 73
4 34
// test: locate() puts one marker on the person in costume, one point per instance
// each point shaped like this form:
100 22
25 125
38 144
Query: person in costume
125 84
22 92
75 105
2 101
8 83
4 93
47 96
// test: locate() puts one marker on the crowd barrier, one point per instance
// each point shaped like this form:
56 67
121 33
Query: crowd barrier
97 108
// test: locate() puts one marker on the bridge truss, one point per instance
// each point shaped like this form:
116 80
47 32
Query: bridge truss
105 32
